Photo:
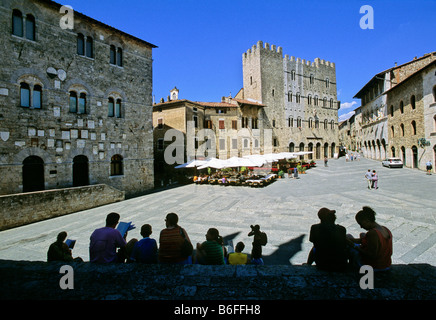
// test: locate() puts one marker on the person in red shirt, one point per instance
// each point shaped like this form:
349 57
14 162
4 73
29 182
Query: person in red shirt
373 248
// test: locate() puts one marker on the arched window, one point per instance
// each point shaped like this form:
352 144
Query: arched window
310 122
311 78
73 101
393 131
393 151
402 129
290 122
391 111
413 102
17 23
413 127
293 75
316 123
401 106
24 95
434 94
116 165
327 82
331 103
289 96
299 122
297 98
324 102
37 97
89 47
309 99
332 124
315 101
80 44
325 124
30 27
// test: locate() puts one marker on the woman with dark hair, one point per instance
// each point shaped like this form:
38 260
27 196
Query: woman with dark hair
171 242
211 251
373 248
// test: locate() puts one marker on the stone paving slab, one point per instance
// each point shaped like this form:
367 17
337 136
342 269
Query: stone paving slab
285 210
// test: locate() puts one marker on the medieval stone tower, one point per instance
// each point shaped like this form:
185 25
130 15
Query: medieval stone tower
300 98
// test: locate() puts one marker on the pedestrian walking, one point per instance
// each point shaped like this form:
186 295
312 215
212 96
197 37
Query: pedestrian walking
368 176
325 161
429 166
374 179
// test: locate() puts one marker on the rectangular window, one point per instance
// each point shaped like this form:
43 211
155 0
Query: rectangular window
222 144
30 27
73 102
120 57
110 108
235 124
112 55
82 103
221 124
160 123
234 143
37 96
25 95
17 23
80 44
89 48
118 109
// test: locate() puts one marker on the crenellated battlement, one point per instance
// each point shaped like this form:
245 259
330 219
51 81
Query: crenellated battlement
265 47
317 63
260 46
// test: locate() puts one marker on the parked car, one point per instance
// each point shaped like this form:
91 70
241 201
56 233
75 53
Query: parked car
392 163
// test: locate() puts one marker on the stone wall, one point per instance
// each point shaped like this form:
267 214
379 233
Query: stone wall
57 134
25 208
41 281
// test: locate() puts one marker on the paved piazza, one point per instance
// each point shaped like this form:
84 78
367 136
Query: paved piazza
405 202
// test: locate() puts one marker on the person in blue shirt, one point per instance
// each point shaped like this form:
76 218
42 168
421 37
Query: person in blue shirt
145 250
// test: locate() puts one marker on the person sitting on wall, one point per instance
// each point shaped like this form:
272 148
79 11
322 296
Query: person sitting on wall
145 250
59 250
105 241
329 240
238 257
373 248
211 251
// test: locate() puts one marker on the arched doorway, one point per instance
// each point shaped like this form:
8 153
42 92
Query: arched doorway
80 171
414 157
318 151
33 174
301 147
403 154
310 149
326 150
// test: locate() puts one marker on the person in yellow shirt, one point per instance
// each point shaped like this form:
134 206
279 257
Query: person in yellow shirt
238 257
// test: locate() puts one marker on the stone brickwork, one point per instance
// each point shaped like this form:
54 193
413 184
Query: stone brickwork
40 281
24 208
301 99
75 104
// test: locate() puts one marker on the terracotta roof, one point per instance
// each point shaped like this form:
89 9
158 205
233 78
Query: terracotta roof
218 104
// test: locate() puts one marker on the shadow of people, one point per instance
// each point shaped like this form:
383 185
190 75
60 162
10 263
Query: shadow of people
284 252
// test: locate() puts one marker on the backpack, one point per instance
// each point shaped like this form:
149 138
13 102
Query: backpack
263 239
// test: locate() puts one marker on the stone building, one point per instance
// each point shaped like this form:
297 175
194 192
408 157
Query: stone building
412 117
300 98
374 139
75 103
185 130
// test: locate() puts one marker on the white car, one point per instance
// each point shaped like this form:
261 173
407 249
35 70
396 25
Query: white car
392 163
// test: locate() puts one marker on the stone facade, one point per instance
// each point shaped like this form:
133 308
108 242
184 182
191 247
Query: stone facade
75 104
411 117
230 128
301 99
378 125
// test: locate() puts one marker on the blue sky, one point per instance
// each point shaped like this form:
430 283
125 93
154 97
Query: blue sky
201 42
